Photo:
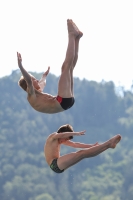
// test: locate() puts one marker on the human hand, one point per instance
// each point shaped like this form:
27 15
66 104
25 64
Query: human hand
19 58
81 133
46 73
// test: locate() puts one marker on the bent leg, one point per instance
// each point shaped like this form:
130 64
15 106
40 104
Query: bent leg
68 160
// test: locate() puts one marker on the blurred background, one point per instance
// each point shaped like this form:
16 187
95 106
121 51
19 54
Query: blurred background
103 94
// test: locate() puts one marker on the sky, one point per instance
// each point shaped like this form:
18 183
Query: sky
38 30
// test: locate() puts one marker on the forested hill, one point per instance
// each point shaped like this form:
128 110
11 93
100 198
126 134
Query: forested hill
24 174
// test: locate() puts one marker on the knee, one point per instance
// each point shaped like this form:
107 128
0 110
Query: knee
66 66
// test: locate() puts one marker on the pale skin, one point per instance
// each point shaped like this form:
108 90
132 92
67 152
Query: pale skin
44 102
54 141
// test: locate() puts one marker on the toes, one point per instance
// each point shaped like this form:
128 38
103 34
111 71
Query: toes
68 20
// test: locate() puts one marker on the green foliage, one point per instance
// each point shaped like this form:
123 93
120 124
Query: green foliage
24 173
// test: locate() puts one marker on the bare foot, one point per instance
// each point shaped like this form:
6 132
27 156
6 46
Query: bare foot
80 34
114 141
72 28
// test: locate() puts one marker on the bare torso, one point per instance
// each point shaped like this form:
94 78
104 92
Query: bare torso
51 149
44 102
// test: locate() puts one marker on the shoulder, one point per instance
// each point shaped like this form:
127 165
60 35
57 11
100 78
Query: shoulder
31 93
52 135
31 90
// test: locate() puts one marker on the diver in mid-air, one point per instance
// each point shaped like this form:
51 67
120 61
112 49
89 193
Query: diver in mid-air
63 136
46 103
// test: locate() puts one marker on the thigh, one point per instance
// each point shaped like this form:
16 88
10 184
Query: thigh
64 85
70 159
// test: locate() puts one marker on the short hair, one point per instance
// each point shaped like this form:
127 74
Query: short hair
22 83
66 128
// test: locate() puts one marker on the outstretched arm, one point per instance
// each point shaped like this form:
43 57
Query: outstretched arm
78 144
42 81
25 74
68 134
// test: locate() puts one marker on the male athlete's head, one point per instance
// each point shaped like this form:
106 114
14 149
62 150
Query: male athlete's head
23 84
66 128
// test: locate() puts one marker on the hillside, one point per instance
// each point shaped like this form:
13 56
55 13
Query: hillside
24 174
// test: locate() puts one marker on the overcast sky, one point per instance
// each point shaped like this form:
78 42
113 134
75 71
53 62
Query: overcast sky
38 30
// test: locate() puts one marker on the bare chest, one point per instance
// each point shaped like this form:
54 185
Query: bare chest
51 151
44 103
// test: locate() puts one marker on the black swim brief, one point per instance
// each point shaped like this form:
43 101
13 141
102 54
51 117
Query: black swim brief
55 167
65 103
